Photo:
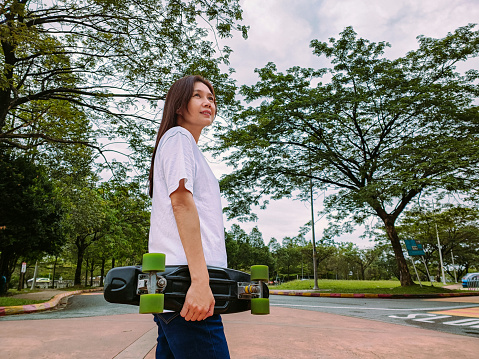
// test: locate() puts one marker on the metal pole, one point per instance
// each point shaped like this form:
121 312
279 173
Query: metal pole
427 270
315 270
34 276
439 247
454 268
440 256
417 275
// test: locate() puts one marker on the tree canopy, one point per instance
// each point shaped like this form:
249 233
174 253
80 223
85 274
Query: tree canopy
377 131
30 213
111 60
457 228
79 78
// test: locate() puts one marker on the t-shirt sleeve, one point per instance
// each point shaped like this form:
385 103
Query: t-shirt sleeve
177 161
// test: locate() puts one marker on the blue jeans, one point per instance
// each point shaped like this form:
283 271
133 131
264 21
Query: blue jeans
181 339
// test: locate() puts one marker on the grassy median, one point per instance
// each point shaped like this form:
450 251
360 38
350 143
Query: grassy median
363 286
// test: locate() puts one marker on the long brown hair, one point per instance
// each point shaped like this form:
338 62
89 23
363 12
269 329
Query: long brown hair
177 98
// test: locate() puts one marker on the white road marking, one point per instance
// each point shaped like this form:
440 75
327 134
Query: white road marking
371 308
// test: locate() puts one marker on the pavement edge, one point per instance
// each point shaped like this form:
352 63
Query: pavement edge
39 307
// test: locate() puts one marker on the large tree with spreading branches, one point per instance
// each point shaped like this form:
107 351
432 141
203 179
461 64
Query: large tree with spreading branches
109 60
377 131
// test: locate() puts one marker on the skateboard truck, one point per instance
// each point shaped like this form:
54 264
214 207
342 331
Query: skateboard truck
151 283
248 290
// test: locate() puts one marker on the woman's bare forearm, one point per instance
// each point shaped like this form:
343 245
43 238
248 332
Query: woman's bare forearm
188 224
199 301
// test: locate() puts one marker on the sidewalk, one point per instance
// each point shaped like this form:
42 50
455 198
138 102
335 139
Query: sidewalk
285 333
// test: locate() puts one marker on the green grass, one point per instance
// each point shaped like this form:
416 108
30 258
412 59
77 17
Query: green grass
10 301
363 286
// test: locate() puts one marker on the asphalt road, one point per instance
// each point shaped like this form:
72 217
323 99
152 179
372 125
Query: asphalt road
450 315
447 315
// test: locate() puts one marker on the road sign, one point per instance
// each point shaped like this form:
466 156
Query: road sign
24 267
414 248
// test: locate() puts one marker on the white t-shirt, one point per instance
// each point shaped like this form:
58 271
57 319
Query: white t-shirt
178 157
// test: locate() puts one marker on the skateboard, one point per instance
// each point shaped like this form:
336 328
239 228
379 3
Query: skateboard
155 287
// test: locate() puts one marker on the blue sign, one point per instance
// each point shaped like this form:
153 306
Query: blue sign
414 248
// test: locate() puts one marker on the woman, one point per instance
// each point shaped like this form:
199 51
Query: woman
187 220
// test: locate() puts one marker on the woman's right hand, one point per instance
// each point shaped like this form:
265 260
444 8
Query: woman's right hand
199 302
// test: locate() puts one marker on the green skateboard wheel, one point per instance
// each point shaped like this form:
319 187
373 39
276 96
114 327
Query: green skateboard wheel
260 306
151 303
259 272
153 262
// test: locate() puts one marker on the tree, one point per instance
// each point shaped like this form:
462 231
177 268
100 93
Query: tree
260 252
30 213
127 233
236 249
360 259
458 231
324 251
85 221
288 257
245 250
110 59
105 221
379 133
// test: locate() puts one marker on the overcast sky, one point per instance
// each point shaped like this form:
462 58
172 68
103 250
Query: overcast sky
280 31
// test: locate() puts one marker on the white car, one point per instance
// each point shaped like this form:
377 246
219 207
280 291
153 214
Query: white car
39 282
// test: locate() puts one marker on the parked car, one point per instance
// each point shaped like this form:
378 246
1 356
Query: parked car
467 277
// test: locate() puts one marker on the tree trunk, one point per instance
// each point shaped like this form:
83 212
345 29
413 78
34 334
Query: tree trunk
3 273
54 269
404 275
86 271
8 263
78 269
102 271
20 281
91 272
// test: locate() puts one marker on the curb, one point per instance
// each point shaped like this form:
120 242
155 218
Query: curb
370 295
39 307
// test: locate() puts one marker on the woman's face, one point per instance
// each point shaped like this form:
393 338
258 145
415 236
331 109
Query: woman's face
200 111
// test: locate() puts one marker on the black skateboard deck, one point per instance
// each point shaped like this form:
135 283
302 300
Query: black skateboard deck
231 289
